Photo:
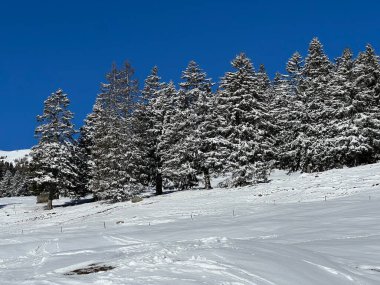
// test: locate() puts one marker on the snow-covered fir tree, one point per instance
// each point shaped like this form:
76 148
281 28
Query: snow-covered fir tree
6 184
198 142
263 81
160 108
16 181
53 166
188 126
317 72
4 167
289 113
244 127
111 153
340 111
364 132
145 140
176 162
294 68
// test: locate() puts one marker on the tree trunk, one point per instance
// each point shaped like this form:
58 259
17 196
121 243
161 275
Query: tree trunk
50 199
158 184
207 181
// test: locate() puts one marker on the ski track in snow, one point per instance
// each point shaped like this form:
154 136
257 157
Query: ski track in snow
320 228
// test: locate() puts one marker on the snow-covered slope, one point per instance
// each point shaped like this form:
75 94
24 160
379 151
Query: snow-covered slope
11 156
299 229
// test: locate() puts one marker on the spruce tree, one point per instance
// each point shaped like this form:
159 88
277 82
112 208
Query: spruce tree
53 165
112 167
198 142
294 67
189 127
177 164
364 146
341 111
290 114
263 82
317 73
6 185
144 120
244 127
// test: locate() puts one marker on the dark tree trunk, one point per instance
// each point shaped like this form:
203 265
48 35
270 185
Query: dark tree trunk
207 181
158 184
50 199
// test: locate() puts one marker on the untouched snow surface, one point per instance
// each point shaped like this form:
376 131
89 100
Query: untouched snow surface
11 156
283 232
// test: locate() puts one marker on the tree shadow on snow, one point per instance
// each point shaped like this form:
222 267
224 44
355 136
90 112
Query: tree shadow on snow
10 204
75 202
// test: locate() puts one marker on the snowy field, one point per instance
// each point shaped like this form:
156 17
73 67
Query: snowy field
283 232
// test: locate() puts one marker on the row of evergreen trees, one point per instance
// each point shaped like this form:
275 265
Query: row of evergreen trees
14 178
318 116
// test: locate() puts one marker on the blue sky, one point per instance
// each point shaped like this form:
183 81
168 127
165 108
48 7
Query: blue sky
46 45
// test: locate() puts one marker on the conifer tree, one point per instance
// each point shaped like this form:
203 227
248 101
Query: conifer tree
290 114
53 166
263 82
6 184
201 127
177 164
112 168
17 184
161 108
144 121
317 73
280 104
244 127
294 67
340 109
189 126
364 146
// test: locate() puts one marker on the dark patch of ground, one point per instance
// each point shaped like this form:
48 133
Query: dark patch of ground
92 268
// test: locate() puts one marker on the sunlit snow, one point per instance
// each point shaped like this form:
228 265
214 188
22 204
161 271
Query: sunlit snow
11 156
321 228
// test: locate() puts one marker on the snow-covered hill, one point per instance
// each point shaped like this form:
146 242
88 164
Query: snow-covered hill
11 156
299 229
